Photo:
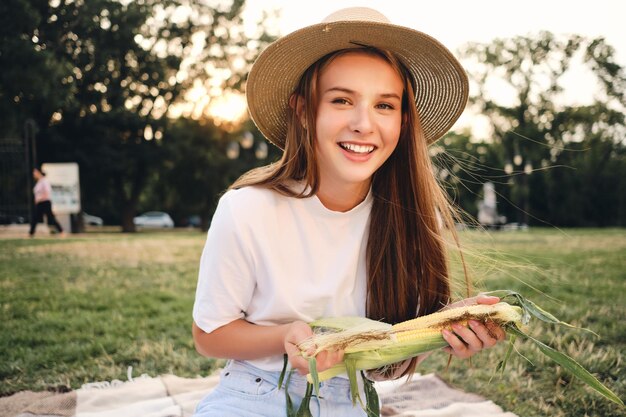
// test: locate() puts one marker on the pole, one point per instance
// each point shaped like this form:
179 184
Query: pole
30 156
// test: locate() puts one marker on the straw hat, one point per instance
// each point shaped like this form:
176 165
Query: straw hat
441 82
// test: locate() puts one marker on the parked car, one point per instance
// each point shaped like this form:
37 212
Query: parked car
194 221
154 219
6 218
91 220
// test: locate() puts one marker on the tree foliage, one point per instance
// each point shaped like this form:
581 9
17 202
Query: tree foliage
196 169
546 144
99 76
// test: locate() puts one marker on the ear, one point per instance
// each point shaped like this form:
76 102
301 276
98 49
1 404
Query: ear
296 102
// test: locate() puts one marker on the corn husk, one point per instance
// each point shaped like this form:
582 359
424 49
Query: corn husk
370 344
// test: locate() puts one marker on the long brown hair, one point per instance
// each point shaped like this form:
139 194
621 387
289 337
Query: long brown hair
407 263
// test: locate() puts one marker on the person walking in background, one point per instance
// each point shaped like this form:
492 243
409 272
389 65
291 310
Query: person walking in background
43 204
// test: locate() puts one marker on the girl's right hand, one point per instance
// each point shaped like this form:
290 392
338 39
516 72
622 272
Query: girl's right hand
296 333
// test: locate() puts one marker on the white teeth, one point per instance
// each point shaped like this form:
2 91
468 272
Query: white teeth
357 148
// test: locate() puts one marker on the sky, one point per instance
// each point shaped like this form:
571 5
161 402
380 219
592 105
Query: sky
455 23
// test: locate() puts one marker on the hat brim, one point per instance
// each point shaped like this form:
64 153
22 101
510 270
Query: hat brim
441 82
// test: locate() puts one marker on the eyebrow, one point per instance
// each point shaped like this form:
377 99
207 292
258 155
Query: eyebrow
348 91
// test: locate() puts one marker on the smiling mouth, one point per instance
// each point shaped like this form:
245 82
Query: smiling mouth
358 149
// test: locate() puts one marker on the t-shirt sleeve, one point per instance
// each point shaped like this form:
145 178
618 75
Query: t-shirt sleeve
226 277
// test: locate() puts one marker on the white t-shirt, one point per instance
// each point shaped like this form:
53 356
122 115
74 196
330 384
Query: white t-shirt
272 259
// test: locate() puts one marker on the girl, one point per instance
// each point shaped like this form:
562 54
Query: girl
347 223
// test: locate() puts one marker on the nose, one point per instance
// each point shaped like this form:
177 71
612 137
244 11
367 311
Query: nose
361 121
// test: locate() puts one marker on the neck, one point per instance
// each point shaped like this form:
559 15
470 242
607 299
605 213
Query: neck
342 197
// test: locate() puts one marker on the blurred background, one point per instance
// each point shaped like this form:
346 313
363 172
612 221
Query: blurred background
144 101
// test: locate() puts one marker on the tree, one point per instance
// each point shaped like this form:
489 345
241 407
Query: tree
535 131
31 80
118 67
463 165
196 168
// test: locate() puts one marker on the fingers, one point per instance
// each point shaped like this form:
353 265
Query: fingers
296 333
298 362
327 359
486 335
487 299
466 341
471 339
495 331
299 331
479 299
324 360
463 343
295 358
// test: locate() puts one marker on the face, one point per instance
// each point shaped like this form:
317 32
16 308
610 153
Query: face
359 118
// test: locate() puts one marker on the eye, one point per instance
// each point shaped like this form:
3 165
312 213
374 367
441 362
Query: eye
385 106
340 100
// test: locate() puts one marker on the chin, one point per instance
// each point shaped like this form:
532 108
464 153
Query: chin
358 179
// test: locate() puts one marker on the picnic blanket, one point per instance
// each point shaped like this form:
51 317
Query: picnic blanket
172 396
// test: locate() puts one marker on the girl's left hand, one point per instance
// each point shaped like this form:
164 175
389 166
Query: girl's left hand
466 341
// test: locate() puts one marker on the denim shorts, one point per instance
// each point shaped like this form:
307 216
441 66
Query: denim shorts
247 391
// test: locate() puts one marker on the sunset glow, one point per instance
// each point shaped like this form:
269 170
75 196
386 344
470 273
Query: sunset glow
229 109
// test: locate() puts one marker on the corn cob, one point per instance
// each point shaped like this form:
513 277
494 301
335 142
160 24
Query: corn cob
501 313
415 334
361 334
370 344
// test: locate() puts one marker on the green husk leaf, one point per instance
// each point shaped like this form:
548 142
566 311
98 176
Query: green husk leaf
547 317
507 354
282 373
349 322
571 365
290 410
532 309
354 388
304 409
371 397
502 364
314 376
332 372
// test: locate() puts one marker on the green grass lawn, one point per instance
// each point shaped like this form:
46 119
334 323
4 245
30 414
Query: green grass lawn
87 308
